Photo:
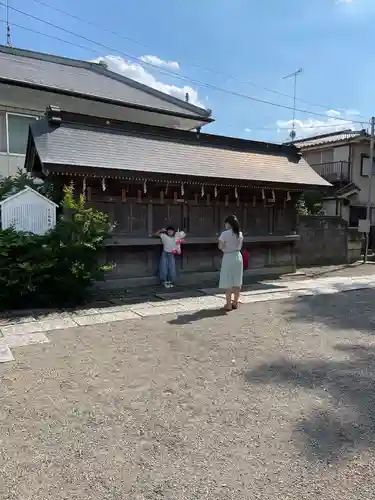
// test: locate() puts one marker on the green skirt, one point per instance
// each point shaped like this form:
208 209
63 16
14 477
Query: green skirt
231 273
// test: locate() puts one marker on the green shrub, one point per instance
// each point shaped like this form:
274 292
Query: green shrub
58 268
13 184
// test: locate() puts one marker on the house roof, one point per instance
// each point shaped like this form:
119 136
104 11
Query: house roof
72 76
348 190
22 192
77 141
342 136
345 192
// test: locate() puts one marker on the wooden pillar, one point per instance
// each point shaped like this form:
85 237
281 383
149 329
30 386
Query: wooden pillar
149 218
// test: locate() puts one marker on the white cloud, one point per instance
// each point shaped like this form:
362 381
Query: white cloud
333 113
334 122
247 130
156 61
137 72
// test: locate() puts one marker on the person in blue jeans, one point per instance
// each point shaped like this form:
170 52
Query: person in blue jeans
167 268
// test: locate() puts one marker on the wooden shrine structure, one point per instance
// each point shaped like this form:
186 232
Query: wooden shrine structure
146 177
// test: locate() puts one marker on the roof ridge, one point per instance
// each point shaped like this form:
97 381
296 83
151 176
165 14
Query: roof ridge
322 136
45 56
57 116
100 69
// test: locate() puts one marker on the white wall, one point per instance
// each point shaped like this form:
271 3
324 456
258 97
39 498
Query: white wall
361 181
329 207
10 164
345 212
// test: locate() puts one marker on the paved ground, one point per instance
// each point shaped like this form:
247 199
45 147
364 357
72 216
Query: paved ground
142 294
273 401
31 327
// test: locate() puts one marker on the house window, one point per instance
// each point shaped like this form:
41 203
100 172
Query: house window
14 131
18 132
356 213
366 165
3 133
326 156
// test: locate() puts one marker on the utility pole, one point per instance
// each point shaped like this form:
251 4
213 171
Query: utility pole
369 195
9 37
294 75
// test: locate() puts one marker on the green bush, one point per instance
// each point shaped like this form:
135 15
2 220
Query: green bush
13 184
58 268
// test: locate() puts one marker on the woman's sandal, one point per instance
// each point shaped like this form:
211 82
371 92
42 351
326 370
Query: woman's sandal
234 305
227 308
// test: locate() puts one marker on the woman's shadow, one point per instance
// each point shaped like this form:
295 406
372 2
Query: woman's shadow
185 319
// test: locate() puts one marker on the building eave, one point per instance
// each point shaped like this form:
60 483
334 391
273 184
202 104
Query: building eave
15 83
86 171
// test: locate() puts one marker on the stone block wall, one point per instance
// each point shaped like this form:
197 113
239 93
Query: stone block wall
325 240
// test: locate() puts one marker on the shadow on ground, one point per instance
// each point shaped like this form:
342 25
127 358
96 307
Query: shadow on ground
343 310
185 319
347 389
325 271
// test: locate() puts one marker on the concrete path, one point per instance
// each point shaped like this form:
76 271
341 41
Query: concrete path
33 329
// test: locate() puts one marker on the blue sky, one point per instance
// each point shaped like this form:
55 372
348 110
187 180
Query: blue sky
240 41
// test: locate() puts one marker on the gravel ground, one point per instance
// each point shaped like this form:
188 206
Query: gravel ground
273 401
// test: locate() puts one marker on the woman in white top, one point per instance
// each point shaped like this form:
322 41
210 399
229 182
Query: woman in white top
231 273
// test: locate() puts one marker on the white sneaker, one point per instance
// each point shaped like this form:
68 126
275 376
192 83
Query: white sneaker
166 284
170 285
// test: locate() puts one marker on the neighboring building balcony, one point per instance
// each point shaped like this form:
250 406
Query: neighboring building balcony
333 171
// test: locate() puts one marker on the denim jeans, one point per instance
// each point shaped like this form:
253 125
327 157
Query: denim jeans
167 269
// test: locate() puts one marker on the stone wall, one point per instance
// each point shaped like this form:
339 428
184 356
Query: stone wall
325 240
135 265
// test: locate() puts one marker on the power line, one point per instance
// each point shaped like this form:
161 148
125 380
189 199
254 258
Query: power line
176 75
250 128
294 75
52 37
123 37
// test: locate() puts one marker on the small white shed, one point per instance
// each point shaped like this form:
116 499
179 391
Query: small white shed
28 211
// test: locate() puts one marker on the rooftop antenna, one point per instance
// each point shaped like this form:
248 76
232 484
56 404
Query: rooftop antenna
294 75
9 37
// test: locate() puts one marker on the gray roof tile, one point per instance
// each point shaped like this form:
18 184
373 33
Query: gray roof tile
86 78
327 139
87 146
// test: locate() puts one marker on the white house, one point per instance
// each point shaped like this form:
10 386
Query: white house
31 81
28 211
342 158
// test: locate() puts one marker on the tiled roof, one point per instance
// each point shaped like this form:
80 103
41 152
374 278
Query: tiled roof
92 79
344 135
349 188
82 145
